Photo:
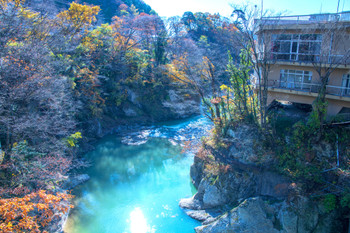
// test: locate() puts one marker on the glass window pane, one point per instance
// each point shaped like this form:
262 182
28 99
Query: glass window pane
291 78
284 37
276 46
308 37
315 48
306 58
285 47
304 47
307 79
298 78
282 56
294 47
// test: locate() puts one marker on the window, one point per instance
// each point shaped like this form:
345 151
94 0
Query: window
295 47
346 84
296 79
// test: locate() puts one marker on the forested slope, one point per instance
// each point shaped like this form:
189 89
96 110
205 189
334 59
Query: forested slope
109 8
67 77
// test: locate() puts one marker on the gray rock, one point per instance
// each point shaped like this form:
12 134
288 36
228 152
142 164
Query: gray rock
272 184
256 215
201 215
196 171
180 106
212 196
190 203
129 112
249 216
267 201
133 97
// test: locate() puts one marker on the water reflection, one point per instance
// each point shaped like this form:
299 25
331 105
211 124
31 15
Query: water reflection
138 222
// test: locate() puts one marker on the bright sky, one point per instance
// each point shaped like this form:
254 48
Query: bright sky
291 7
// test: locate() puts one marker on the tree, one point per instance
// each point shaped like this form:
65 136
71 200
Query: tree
33 105
333 53
243 98
259 52
77 18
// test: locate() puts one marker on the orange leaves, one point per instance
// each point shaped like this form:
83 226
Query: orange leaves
16 214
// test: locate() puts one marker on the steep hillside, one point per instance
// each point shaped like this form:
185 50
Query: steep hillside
109 8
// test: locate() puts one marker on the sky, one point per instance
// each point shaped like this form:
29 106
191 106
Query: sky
167 8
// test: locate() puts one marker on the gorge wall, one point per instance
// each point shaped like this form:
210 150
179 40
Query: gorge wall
239 191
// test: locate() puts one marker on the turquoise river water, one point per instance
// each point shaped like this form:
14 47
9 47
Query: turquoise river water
137 180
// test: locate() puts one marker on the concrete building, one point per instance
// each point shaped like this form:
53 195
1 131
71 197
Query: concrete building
301 49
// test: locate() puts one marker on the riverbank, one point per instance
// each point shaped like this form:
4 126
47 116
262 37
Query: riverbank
241 190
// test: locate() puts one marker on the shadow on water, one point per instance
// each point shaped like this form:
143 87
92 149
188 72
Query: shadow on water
136 188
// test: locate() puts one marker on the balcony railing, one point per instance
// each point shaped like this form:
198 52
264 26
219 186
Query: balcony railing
309 87
305 19
334 60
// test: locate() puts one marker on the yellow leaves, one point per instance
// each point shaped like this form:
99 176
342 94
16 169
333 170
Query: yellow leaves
95 38
2 155
177 75
14 43
90 43
79 15
28 13
16 3
72 140
223 87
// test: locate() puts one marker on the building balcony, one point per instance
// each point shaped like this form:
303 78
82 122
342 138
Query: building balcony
305 19
309 89
338 61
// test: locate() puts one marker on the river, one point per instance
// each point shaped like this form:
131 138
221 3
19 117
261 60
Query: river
137 180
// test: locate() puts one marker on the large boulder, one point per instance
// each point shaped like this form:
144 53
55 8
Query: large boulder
250 216
265 216
182 107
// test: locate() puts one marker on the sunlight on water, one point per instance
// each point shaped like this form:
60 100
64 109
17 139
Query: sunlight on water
136 188
138 222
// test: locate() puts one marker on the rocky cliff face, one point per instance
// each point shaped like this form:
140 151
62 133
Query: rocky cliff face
239 192
259 215
135 111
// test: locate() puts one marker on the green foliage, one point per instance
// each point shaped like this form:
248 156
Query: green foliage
296 157
330 202
345 200
318 115
244 99
237 101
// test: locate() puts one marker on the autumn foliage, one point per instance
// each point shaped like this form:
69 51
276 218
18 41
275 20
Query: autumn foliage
78 16
33 212
62 73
